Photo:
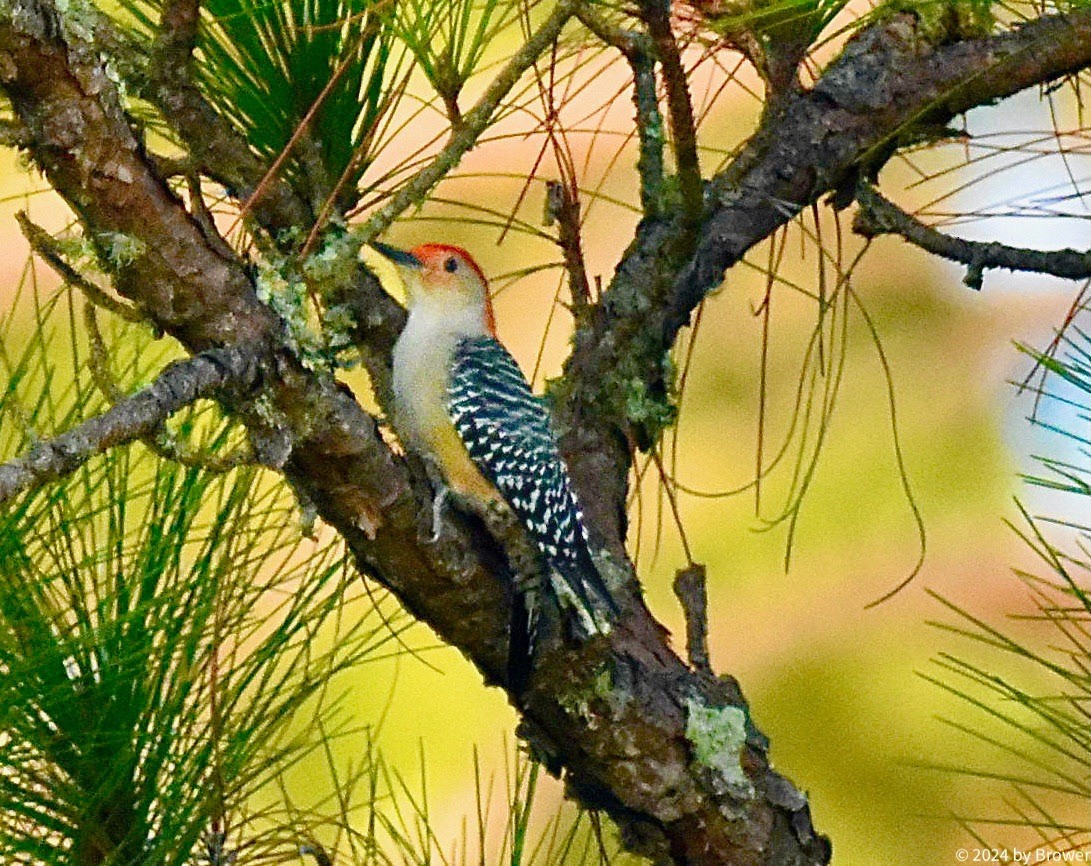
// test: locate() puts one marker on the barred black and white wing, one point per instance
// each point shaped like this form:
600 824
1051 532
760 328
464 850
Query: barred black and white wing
507 433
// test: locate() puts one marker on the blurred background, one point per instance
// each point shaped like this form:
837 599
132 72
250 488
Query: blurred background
906 405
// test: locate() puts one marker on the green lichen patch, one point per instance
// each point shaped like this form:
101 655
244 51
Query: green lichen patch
718 736
944 21
297 291
120 249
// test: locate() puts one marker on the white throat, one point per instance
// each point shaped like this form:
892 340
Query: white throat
423 356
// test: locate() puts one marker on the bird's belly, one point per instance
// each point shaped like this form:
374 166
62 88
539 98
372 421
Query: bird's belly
421 419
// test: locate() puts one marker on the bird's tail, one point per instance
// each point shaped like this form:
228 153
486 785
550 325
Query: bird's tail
522 635
579 585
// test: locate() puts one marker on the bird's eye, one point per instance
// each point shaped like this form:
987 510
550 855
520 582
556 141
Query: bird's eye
451 265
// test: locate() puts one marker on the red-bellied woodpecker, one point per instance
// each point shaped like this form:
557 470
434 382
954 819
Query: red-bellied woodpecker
462 403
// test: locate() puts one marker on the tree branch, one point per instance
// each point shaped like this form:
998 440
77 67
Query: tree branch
168 82
179 385
670 753
160 439
563 208
888 78
639 51
622 714
656 14
691 589
879 216
43 243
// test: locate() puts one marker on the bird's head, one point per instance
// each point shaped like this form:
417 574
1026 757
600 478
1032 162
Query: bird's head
445 276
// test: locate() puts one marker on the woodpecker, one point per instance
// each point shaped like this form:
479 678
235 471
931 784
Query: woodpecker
462 403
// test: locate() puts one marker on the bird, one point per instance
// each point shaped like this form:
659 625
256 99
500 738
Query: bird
462 403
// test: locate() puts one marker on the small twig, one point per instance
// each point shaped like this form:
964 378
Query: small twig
656 14
879 216
46 246
563 207
640 54
98 357
179 385
474 122
690 586
160 440
167 446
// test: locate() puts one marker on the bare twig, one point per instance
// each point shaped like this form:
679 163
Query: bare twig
474 122
879 216
690 587
656 14
98 357
639 51
563 207
179 385
160 440
46 246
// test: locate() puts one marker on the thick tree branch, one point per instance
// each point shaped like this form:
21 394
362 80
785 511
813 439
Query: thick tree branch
889 77
181 384
312 428
878 216
669 753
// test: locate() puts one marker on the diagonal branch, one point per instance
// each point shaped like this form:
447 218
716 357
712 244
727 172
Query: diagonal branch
212 142
889 77
165 77
44 244
879 216
474 122
181 384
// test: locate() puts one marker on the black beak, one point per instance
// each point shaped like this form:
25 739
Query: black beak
398 257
